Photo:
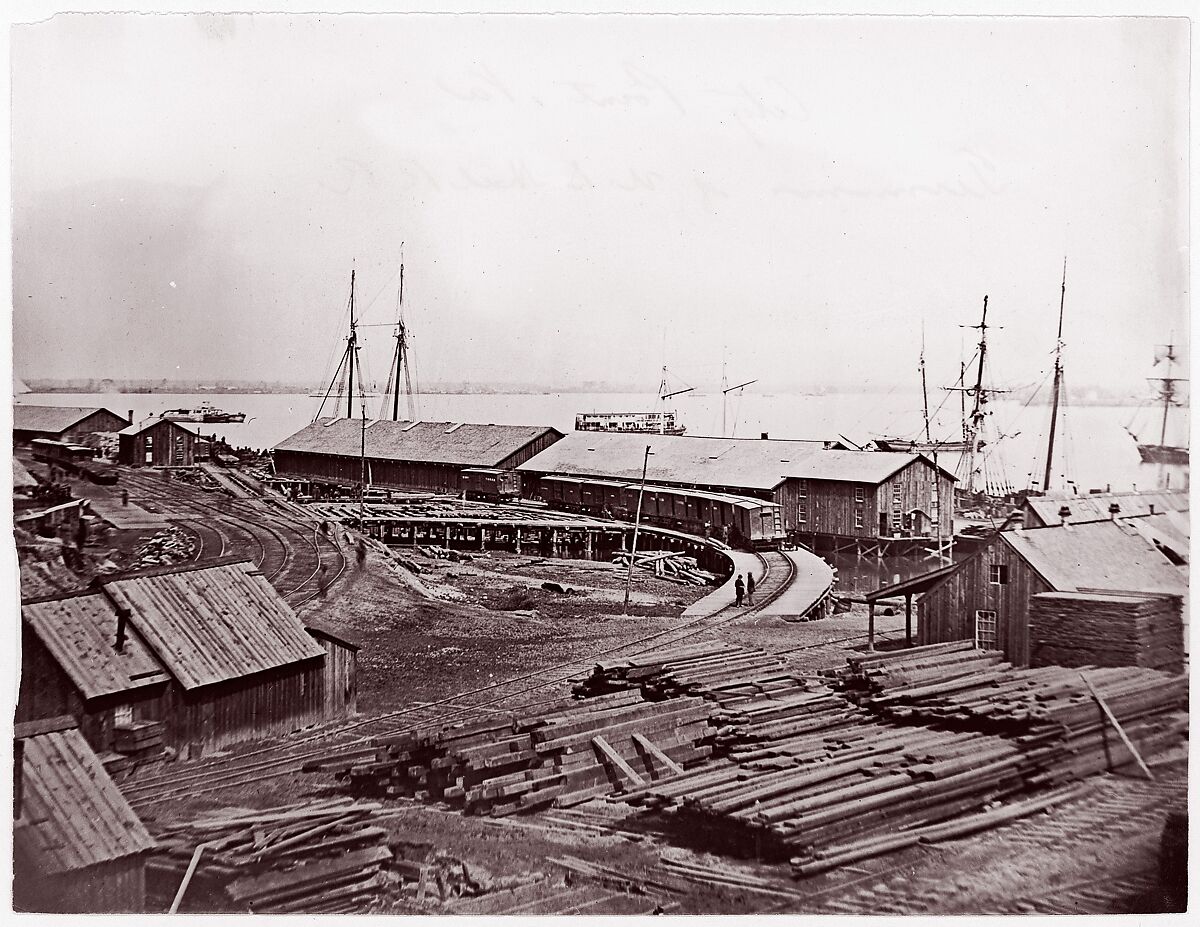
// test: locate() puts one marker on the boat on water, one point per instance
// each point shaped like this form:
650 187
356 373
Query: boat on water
1166 393
205 412
656 423
660 422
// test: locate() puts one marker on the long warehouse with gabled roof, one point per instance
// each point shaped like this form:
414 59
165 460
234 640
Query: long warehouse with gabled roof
406 455
828 495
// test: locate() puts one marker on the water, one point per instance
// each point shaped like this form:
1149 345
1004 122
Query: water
1092 449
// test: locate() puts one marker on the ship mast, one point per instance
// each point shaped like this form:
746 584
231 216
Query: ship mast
400 365
1168 392
1058 375
346 366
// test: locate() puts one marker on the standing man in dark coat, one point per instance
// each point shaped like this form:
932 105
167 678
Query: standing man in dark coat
749 587
739 589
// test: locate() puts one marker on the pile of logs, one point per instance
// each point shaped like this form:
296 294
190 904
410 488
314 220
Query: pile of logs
163 549
324 857
814 777
871 673
720 672
559 753
668 565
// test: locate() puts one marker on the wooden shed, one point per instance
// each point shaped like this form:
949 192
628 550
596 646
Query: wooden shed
77 845
210 652
405 455
341 669
987 596
157 442
71 424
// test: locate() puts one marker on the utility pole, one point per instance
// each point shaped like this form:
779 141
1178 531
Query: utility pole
1058 372
637 523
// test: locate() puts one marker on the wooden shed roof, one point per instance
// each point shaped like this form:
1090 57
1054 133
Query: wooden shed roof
52 419
80 632
72 815
1094 506
147 424
742 463
212 623
1097 556
22 478
463 444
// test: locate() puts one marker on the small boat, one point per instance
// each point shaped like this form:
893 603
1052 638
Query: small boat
656 423
910 446
1163 453
205 412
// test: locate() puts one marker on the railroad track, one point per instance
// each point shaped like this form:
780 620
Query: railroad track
288 549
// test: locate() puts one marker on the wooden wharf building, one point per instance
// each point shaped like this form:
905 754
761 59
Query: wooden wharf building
193 658
427 456
70 424
1094 593
159 442
77 845
865 502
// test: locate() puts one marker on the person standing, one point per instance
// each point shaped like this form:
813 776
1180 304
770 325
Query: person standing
739 589
749 587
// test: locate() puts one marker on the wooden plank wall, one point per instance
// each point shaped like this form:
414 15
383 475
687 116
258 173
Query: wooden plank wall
267 704
916 484
947 612
116 887
172 446
340 679
102 421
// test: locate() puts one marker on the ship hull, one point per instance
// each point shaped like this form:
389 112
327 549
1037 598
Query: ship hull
923 447
1163 454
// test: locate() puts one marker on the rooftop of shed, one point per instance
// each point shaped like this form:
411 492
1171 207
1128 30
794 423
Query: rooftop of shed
146 424
1094 506
72 815
1100 556
422 442
744 463
52 419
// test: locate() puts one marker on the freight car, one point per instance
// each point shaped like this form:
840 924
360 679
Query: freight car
745 521
491 484
74 458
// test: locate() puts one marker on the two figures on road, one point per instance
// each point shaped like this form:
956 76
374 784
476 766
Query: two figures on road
744 589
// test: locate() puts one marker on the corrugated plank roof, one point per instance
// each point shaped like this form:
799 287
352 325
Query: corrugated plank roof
22 478
1102 555
51 419
72 815
215 623
80 632
744 463
426 442
1094 506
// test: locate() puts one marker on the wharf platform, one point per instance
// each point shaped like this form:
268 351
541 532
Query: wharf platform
722 597
811 582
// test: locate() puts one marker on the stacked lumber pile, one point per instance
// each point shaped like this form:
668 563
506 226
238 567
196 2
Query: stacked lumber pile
871 673
314 858
668 565
558 753
822 780
714 670
1078 629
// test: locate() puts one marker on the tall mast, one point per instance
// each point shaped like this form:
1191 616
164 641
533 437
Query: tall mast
924 387
980 399
401 339
1058 372
352 351
1168 392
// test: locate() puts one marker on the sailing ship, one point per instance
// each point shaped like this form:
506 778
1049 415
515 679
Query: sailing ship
928 444
1167 394
659 422
205 412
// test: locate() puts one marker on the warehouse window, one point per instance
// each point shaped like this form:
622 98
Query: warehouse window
860 494
985 630
858 519
801 514
123 714
802 488
998 574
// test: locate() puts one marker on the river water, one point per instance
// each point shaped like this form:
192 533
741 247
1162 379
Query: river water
1093 450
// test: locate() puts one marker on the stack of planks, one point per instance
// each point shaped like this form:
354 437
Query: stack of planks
556 753
138 740
678 568
720 672
1074 628
822 780
936 663
323 857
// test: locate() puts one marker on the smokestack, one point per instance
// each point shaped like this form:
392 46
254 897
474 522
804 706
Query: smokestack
1113 509
130 416
1151 508
122 623
1064 512
764 436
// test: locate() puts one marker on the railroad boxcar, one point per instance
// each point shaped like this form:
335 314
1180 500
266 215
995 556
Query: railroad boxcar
74 458
491 484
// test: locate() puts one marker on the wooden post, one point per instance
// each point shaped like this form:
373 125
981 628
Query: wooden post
1112 719
870 626
908 619
187 876
588 542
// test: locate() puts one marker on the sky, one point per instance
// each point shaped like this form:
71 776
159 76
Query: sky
589 198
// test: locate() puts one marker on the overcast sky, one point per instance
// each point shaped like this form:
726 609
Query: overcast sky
588 198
